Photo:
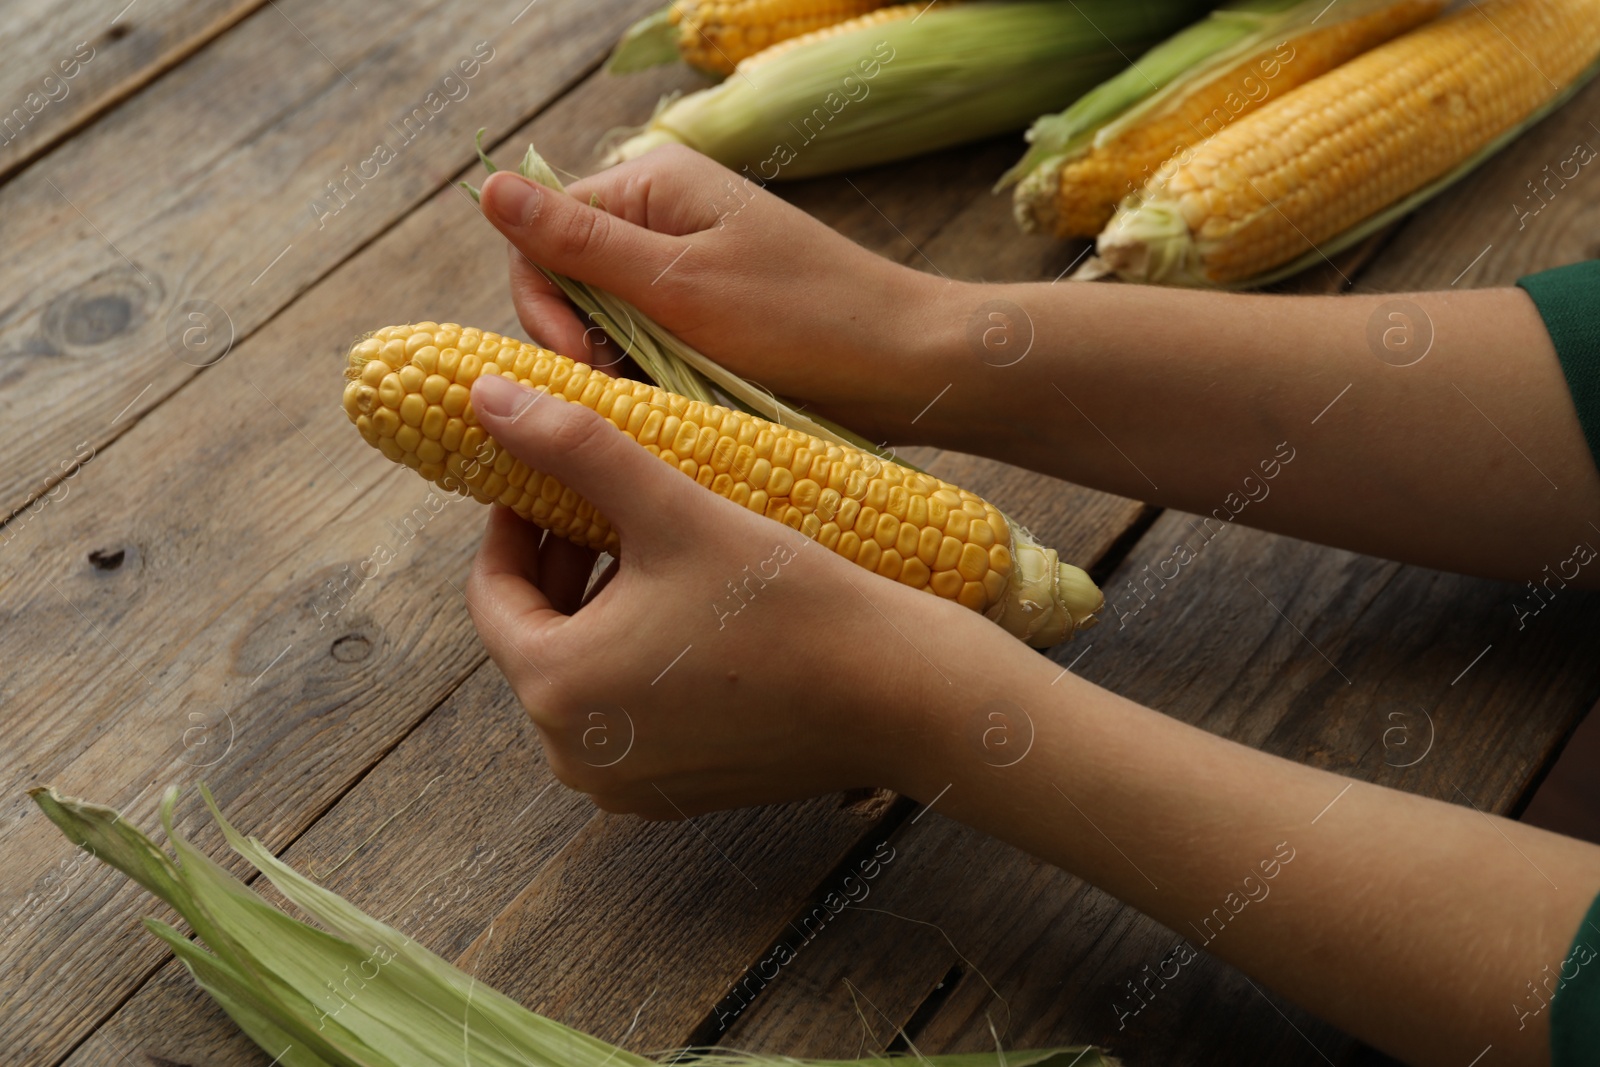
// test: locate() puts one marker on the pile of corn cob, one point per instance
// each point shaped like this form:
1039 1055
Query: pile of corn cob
1274 156
820 86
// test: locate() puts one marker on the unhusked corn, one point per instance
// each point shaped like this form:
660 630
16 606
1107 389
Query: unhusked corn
1340 149
1090 187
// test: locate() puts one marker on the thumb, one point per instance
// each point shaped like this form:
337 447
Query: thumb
633 489
562 233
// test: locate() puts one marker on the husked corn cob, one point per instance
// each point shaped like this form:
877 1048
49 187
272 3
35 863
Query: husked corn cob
716 35
408 393
1318 161
1090 186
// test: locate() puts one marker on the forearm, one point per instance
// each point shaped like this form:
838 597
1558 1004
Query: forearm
1414 924
1469 459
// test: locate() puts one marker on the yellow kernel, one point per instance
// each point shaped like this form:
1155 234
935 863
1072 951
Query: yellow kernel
877 494
898 499
856 485
974 563
946 584
907 540
928 544
385 421
705 444
411 378
917 510
426 359
849 510
454 401
740 494
804 494
994 586
827 505
389 448
870 555
722 454
650 432
997 523
890 564
408 438
980 533
1000 559
867 523
760 471
390 391
430 452
781 482
451 437
433 423
949 554
827 535
688 466
449 362
758 502
373 372
915 573
467 373
418 341
622 410
972 596
783 452
849 545
704 475
887 530
938 513
412 408
958 525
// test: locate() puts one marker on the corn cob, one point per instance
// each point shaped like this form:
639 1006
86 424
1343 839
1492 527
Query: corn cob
904 80
1089 187
408 393
715 35
1318 161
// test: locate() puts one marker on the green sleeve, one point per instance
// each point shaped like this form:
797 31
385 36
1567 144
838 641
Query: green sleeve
1568 298
1575 1006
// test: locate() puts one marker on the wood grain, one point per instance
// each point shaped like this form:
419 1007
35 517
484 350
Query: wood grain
78 60
208 195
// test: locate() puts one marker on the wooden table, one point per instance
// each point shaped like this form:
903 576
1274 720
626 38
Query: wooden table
183 491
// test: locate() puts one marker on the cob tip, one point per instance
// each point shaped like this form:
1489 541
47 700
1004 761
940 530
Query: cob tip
1036 202
1046 601
1150 241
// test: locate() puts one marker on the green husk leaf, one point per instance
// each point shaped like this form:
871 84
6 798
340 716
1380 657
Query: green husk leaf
304 994
650 42
949 75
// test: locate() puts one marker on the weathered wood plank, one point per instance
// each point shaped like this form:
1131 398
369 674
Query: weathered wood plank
68 63
214 603
129 263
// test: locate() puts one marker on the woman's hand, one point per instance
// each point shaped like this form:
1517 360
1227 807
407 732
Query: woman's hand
727 661
751 281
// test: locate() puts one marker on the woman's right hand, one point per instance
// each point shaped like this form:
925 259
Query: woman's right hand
751 281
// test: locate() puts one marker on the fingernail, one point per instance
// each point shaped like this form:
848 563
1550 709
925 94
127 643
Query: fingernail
494 395
511 199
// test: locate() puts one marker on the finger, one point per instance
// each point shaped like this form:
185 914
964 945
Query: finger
503 594
671 189
631 487
564 570
543 309
552 321
568 236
